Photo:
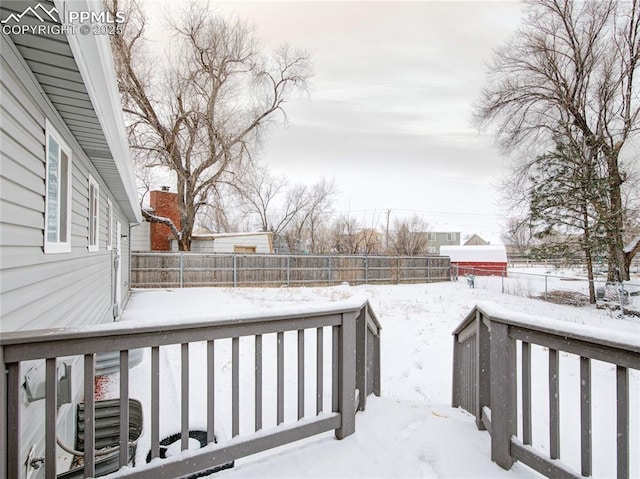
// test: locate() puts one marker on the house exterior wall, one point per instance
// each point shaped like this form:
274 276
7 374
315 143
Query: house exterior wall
140 237
229 243
436 239
226 244
48 290
39 290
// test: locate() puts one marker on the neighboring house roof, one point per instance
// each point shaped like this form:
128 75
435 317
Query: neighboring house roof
77 74
475 254
475 240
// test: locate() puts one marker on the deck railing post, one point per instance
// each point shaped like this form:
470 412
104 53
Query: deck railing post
483 369
347 376
10 419
456 382
503 394
377 367
4 419
361 358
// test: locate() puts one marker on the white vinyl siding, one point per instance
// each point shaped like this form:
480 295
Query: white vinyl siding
94 214
40 290
57 237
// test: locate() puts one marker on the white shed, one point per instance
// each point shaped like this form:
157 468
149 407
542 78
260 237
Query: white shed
254 242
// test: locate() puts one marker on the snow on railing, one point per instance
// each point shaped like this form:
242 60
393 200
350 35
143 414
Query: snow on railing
494 382
344 375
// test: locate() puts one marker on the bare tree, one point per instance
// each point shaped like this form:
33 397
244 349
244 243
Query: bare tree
316 207
571 63
517 235
345 235
291 212
197 107
409 237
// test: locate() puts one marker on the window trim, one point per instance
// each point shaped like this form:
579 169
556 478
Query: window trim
57 246
109 225
93 236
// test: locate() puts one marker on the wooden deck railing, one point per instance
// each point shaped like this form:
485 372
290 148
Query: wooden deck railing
485 383
354 365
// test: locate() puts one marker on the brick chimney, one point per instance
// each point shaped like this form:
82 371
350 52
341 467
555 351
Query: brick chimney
163 203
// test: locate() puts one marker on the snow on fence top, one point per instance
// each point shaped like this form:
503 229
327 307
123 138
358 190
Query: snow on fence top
475 254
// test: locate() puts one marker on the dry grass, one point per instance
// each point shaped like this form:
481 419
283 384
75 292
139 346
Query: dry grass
571 298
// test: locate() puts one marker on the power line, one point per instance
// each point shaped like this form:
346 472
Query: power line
426 212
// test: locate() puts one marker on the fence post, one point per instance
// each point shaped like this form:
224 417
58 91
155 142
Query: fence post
366 269
288 270
502 281
235 270
181 269
347 376
545 287
329 270
428 269
504 419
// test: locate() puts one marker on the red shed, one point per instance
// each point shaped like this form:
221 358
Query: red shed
485 260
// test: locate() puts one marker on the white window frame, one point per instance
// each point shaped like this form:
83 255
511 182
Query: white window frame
93 236
109 225
61 207
450 236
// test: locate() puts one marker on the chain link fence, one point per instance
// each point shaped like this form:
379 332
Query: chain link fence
562 286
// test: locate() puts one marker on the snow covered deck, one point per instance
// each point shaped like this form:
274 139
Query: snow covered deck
411 431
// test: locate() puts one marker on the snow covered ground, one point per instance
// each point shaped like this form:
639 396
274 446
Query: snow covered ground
411 431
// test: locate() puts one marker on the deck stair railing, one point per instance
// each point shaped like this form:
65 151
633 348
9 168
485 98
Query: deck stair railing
351 372
489 373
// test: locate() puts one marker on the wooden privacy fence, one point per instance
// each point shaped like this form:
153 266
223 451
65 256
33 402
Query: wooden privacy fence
486 368
346 374
177 270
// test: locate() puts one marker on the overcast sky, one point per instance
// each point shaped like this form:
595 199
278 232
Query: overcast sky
389 111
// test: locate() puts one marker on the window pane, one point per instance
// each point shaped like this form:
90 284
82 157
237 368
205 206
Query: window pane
64 197
52 190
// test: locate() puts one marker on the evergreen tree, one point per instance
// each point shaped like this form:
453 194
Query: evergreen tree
568 197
